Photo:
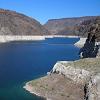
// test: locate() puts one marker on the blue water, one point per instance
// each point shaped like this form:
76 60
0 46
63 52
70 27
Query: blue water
23 61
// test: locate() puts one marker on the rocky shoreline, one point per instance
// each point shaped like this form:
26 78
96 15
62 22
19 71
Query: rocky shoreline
82 75
47 87
81 42
75 80
8 38
29 88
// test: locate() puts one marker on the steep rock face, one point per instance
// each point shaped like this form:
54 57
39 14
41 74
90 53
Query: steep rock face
91 26
85 71
13 23
65 26
76 74
93 88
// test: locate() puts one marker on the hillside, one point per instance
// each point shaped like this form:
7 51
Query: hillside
13 23
65 26
91 26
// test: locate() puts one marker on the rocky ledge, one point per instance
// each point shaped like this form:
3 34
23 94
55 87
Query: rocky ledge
81 42
69 80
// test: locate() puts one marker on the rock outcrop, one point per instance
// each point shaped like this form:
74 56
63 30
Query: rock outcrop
13 23
69 80
93 88
76 74
90 48
80 43
85 71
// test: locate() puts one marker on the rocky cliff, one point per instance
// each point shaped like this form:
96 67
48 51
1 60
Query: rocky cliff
91 26
84 71
69 80
13 23
65 26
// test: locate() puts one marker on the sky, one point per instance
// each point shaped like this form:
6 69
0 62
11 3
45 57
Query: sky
43 10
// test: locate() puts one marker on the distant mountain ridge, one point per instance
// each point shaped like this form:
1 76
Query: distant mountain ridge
65 26
13 23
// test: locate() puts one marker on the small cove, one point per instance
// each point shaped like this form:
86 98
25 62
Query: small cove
24 61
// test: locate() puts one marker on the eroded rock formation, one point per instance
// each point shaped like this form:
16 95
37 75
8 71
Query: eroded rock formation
90 49
84 71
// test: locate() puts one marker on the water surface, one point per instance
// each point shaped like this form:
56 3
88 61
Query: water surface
24 61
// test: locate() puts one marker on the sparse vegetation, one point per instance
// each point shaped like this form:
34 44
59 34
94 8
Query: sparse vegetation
91 64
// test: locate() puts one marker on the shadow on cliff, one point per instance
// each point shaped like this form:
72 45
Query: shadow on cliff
90 48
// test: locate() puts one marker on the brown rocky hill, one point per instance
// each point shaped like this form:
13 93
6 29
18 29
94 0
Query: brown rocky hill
65 26
13 23
91 26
